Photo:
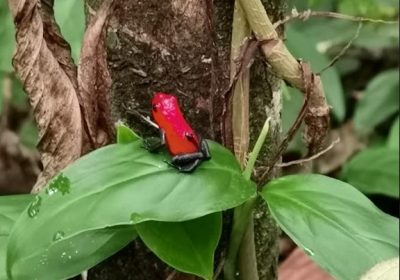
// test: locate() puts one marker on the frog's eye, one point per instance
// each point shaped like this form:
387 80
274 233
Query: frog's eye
155 107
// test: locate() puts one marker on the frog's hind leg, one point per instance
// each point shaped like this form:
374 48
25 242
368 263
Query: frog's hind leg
205 150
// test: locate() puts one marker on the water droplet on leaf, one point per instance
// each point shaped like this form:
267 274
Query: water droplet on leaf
309 252
34 207
135 218
58 235
60 184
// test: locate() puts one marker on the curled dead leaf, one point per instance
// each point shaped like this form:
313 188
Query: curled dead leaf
43 62
67 119
94 79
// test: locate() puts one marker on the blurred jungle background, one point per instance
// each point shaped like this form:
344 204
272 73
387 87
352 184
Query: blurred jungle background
362 87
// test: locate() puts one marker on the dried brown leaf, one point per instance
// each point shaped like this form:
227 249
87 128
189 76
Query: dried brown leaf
317 118
94 79
43 62
240 83
349 144
72 119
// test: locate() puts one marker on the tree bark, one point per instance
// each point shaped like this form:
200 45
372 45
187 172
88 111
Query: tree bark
183 47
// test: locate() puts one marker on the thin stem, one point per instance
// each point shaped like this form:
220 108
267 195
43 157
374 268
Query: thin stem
243 214
256 150
305 15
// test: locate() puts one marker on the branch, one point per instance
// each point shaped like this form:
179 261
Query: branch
285 65
315 156
305 15
343 50
308 81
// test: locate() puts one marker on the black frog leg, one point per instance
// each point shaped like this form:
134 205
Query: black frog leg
187 162
153 144
205 150
190 166
186 158
186 167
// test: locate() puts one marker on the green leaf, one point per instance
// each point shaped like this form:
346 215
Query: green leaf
393 140
186 246
125 135
292 102
7 35
385 36
123 185
305 48
380 101
336 225
19 99
367 8
374 170
11 206
68 256
70 16
29 134
2 75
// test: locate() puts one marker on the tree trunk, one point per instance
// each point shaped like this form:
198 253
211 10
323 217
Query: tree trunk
183 47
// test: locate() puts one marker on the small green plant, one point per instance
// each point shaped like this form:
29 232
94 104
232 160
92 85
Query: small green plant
120 192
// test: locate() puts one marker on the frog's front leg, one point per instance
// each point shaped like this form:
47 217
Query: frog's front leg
153 144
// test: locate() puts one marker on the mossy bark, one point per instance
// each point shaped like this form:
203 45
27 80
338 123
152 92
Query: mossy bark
182 47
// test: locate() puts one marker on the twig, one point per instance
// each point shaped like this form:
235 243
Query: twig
305 15
242 215
308 80
136 113
343 50
219 268
84 275
172 275
317 155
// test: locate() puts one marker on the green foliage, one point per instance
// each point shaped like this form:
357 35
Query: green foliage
70 17
374 170
125 135
7 33
119 185
11 207
380 101
109 197
292 101
67 256
187 246
29 134
303 47
18 98
336 225
369 8
393 140
384 36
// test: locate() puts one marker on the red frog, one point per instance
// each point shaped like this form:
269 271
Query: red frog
186 148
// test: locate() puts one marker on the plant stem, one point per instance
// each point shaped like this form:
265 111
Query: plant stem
256 150
243 214
241 91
